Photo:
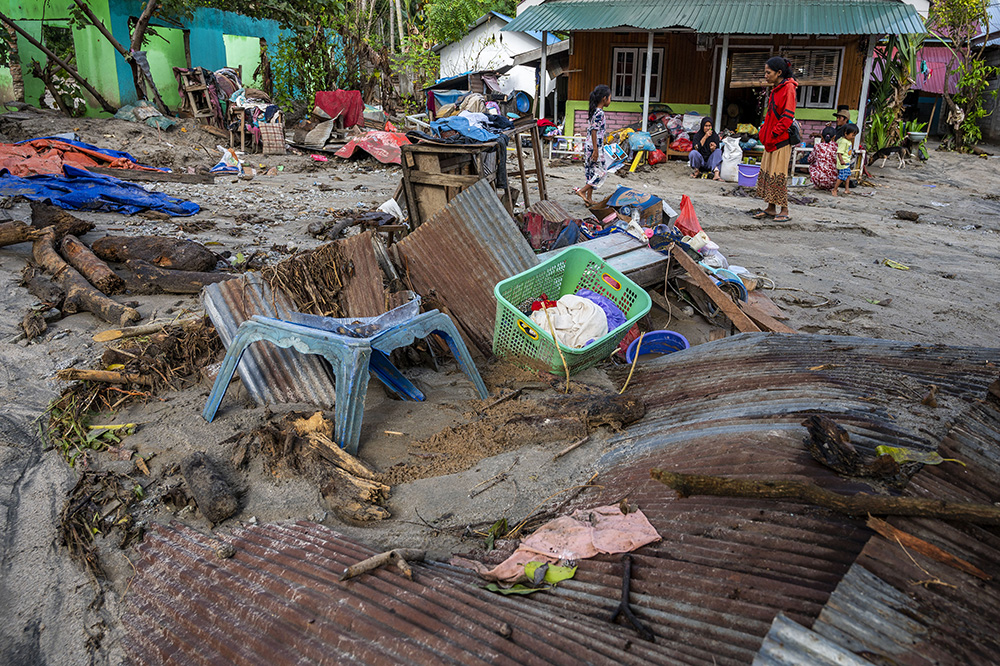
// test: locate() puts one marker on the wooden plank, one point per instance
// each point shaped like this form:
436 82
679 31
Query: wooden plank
761 300
925 548
764 320
721 300
138 175
444 179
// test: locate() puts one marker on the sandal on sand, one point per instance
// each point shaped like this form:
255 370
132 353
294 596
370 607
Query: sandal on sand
760 214
782 218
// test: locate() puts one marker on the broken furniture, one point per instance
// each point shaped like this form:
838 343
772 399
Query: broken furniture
354 348
195 98
433 174
528 126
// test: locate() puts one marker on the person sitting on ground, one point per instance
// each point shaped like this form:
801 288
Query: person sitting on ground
845 148
823 164
707 153
834 131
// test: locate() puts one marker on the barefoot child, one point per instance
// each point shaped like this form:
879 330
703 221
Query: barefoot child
596 129
844 149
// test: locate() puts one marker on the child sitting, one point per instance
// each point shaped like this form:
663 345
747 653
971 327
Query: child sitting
844 152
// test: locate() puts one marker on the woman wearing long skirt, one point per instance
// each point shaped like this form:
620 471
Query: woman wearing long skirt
772 182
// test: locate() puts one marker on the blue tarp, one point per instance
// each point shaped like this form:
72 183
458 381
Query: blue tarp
82 190
463 127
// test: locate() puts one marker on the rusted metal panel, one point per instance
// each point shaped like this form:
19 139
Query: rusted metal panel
459 255
789 642
363 294
550 211
271 375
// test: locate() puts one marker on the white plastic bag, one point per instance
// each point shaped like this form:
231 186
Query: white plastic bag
691 122
732 155
229 162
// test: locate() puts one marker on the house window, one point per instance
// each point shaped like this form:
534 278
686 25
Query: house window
628 81
818 74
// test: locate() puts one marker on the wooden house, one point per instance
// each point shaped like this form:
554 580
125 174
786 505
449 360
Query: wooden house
708 56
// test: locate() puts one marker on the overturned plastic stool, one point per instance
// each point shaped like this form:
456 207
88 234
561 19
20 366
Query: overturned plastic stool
352 357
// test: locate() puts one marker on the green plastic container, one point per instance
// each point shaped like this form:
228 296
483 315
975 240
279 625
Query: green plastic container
515 336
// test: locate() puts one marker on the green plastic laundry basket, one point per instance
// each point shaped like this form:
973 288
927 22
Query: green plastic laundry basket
518 339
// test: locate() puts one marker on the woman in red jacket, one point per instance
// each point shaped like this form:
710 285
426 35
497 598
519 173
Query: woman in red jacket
772 183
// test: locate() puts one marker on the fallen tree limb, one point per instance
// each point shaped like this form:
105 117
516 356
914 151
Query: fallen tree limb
170 281
145 329
331 451
12 233
90 266
80 296
176 253
105 376
399 557
46 215
924 548
852 505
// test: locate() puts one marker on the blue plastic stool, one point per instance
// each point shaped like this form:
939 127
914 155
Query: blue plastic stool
351 358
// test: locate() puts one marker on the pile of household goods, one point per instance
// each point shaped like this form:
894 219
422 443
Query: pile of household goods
575 299
446 103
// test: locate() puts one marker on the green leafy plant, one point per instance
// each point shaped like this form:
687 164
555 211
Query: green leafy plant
898 62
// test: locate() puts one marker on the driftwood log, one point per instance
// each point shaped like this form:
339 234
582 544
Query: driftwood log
90 266
153 279
46 215
80 296
12 233
103 376
175 253
852 505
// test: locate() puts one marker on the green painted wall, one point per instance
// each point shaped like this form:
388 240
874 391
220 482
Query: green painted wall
166 51
242 50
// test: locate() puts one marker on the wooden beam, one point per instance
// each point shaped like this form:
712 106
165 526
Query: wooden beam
740 320
446 179
764 320
143 176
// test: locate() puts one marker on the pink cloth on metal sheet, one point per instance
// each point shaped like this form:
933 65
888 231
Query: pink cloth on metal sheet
583 534
383 146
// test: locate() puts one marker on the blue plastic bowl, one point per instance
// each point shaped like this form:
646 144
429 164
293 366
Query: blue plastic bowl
522 101
658 342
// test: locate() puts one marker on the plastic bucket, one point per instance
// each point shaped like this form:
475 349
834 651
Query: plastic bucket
522 102
657 342
748 174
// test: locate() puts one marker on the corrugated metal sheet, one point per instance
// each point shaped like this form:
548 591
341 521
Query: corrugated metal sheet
742 17
363 294
458 256
270 374
905 608
710 590
789 642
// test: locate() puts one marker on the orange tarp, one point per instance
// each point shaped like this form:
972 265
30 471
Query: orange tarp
47 156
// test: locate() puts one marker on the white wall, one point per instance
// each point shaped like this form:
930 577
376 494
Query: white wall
922 6
486 47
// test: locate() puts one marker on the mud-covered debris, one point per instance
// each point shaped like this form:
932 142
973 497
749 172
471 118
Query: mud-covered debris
211 492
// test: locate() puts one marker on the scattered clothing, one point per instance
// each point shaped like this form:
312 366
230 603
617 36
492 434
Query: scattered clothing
585 533
346 106
383 146
464 127
611 310
577 321
82 190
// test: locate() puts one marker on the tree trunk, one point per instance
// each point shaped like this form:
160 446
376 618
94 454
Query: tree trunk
12 233
399 19
45 215
392 32
59 61
155 280
80 296
96 271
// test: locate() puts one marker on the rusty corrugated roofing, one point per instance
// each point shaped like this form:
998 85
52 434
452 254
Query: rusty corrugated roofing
711 590
458 255
270 374
363 294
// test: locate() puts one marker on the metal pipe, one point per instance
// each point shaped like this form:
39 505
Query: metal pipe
722 83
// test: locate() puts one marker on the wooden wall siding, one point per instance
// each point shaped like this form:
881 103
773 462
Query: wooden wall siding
688 76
